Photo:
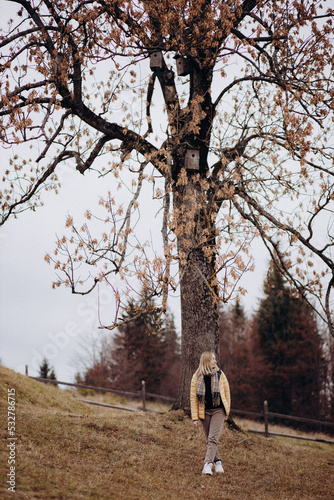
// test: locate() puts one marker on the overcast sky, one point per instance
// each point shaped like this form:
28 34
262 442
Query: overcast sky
37 321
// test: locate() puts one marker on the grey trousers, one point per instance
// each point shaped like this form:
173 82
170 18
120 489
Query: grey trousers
212 427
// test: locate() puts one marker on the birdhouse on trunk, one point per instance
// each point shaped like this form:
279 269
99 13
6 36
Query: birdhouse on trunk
182 66
156 61
192 160
56 66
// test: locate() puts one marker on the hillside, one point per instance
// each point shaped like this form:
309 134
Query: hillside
68 450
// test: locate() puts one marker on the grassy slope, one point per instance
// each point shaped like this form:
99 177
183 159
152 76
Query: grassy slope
68 450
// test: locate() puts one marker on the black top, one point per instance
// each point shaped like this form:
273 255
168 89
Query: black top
208 395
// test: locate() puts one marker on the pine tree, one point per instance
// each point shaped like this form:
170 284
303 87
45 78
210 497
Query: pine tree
331 381
233 330
141 352
141 349
45 371
290 342
241 358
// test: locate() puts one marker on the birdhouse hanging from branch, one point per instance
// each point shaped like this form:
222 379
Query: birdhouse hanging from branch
156 61
192 160
182 66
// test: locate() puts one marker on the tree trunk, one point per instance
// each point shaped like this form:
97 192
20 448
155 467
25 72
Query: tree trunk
200 321
199 305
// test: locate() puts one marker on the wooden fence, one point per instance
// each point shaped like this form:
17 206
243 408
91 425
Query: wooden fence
266 415
143 396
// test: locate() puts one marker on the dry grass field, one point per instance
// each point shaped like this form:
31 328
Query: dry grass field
66 449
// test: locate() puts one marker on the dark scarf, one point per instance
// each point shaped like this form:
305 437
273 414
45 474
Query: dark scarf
215 376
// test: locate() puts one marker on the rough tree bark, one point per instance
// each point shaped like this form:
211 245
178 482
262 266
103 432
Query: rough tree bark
200 319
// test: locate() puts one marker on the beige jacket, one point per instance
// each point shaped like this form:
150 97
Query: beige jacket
198 409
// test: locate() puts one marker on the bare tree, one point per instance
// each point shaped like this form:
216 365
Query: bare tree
239 143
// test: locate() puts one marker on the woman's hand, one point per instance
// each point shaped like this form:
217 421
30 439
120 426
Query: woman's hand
196 424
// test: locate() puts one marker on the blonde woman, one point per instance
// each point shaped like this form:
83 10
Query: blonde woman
210 403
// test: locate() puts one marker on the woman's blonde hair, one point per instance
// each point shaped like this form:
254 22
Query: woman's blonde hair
204 367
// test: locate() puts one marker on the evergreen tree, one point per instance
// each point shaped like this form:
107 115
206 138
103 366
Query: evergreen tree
143 352
331 381
233 331
290 342
45 371
241 359
141 349
276 356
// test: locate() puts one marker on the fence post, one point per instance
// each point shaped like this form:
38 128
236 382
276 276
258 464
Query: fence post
265 407
143 392
27 370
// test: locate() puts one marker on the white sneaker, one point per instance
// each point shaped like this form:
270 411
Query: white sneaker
207 469
219 466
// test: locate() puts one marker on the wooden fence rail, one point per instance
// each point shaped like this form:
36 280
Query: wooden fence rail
271 414
267 414
143 395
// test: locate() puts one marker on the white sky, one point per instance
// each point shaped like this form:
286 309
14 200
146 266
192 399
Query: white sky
37 321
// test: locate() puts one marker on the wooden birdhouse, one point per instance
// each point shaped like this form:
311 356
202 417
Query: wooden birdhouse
192 160
156 61
182 66
56 66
